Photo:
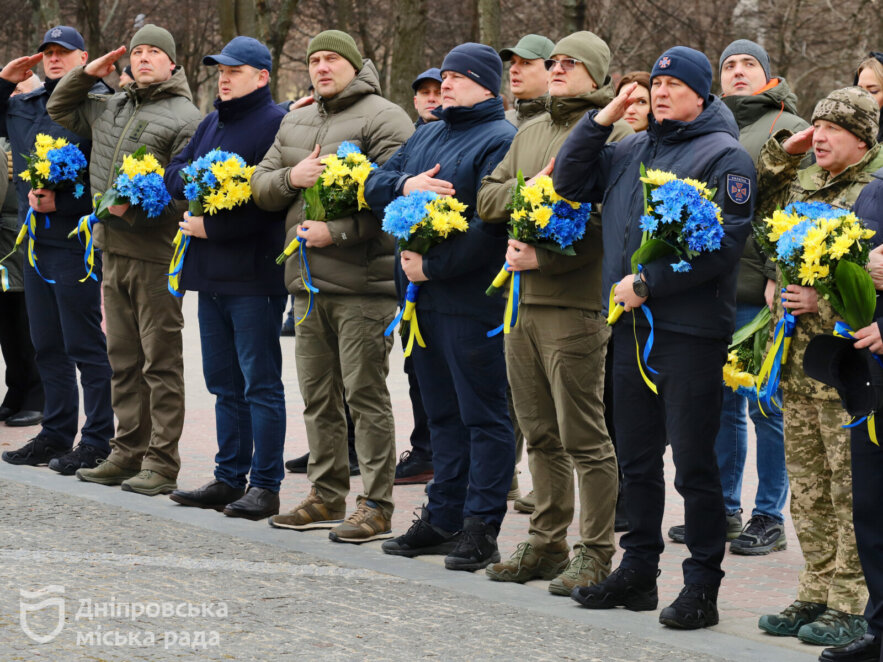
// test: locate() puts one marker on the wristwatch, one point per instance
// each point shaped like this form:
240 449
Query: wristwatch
640 287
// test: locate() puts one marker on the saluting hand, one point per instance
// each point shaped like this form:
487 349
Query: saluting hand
800 142
103 66
616 109
426 181
19 70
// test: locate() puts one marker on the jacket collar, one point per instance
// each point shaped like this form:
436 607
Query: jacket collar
235 109
715 117
175 86
464 117
565 110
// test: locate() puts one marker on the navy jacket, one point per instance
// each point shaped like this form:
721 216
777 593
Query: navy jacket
468 143
238 256
700 302
869 208
24 116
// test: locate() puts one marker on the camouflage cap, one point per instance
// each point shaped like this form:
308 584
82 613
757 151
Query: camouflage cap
852 108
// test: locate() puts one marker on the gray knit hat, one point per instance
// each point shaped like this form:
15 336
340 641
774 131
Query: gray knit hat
591 50
336 42
747 47
153 35
854 109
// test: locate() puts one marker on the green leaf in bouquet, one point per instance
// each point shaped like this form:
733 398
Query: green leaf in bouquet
520 181
314 210
555 248
761 336
110 199
857 293
651 250
760 321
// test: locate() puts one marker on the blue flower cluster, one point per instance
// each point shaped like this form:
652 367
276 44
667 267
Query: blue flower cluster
66 165
402 213
566 224
346 148
147 191
790 244
682 216
199 173
815 210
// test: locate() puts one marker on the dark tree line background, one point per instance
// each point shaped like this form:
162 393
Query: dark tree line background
815 44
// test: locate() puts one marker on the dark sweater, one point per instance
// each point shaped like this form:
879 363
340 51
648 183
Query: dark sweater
238 255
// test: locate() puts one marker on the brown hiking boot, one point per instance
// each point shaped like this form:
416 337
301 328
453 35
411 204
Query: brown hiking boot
311 513
528 562
527 503
366 523
584 570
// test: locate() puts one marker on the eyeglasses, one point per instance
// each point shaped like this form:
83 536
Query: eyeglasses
567 64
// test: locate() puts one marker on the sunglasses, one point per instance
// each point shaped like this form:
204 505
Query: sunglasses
567 64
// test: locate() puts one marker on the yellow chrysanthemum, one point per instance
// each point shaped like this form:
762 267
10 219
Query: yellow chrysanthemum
517 214
658 177
541 216
840 247
360 172
779 223
532 195
809 273
42 168
734 377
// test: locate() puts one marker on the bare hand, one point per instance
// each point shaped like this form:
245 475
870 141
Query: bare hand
616 109
303 101
545 171
307 172
521 256
412 265
769 293
315 233
118 210
426 181
875 266
800 142
624 293
42 200
799 299
103 66
870 337
19 70
193 226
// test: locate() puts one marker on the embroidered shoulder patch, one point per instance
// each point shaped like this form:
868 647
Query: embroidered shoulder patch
738 189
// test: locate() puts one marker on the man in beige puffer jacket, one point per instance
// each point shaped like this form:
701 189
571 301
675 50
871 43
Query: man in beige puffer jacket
340 349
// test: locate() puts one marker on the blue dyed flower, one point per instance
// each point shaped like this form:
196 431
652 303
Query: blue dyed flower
404 212
681 266
346 148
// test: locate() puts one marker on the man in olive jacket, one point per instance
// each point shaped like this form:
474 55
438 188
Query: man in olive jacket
144 321
555 355
340 348
762 104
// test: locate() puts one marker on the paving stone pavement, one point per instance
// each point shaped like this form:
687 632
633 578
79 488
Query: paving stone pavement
298 596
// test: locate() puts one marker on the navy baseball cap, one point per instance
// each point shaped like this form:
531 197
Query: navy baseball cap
430 74
65 36
243 50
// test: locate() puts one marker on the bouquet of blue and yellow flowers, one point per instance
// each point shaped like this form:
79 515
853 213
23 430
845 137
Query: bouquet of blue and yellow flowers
419 221
138 182
53 164
745 359
215 181
544 219
339 191
680 218
818 245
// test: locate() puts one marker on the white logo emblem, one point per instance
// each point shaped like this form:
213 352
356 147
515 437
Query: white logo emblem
55 33
26 608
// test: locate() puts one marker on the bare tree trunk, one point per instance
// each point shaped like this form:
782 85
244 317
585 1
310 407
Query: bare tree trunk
344 11
574 12
273 28
489 23
45 15
227 18
245 18
237 17
407 51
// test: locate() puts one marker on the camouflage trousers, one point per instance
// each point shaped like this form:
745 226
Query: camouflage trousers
818 460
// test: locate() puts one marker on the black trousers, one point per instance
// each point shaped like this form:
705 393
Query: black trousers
867 495
24 391
686 412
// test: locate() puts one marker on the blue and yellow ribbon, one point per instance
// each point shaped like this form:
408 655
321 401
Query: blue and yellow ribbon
181 243
872 426
510 316
647 347
408 313
843 330
296 245
499 280
771 370
86 226
30 225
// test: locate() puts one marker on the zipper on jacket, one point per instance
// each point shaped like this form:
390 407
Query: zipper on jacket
116 150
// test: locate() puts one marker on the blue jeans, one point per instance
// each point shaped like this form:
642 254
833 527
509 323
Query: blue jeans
242 365
731 447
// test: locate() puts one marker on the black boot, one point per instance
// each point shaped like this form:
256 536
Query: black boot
257 503
694 608
476 546
624 587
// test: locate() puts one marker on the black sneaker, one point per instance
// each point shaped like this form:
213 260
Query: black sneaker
624 587
299 464
734 528
413 468
37 451
476 547
694 608
83 456
421 538
761 535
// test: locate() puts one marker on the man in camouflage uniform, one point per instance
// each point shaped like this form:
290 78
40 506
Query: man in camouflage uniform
832 594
